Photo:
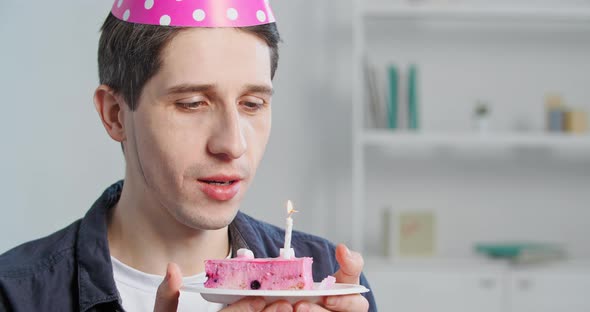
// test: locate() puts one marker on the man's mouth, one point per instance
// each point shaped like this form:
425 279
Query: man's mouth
221 187
213 182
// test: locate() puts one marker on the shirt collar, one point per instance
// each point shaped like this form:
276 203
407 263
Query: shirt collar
95 272
246 232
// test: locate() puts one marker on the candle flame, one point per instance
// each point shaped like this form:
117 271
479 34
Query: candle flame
290 209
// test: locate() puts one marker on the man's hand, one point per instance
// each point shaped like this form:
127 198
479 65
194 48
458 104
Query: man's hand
169 291
257 304
351 266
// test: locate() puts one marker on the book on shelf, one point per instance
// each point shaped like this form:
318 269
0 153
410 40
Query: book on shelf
413 97
391 97
402 95
376 115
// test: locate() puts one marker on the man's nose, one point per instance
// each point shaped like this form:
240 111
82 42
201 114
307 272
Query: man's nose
227 140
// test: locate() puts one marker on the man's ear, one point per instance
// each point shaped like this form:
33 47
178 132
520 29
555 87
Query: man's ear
111 110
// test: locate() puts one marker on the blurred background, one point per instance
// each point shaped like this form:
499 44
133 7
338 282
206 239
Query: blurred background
445 139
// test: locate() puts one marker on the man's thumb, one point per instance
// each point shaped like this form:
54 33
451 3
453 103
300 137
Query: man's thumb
169 290
351 265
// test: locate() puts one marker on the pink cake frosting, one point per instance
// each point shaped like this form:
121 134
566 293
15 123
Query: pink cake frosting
261 273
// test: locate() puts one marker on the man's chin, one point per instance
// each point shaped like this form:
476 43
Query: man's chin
207 222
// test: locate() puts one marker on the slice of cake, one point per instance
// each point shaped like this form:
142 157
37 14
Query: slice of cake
246 272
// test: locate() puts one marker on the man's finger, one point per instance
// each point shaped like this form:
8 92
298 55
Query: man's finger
279 306
248 304
304 306
351 265
346 303
169 290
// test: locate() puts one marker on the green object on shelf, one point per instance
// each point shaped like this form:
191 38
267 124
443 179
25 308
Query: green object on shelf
393 76
520 251
413 98
500 251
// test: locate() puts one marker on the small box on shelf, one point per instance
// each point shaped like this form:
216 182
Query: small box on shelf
409 234
564 119
576 121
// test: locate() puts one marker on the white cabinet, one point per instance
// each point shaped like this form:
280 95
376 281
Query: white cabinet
466 287
548 290
440 291
437 288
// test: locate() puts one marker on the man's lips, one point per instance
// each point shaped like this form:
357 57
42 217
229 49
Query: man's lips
220 187
221 178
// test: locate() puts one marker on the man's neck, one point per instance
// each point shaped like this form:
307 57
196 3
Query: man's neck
147 237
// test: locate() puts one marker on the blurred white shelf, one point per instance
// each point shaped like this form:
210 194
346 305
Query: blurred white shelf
390 138
569 14
385 264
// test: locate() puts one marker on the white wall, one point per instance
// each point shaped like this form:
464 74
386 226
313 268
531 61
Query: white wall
56 157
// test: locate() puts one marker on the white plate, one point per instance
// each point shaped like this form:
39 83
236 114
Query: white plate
229 296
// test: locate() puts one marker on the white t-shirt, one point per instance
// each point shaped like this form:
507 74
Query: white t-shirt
138 290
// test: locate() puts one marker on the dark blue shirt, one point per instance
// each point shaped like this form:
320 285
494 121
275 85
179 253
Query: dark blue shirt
70 270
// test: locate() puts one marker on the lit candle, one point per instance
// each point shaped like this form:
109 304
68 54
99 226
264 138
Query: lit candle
287 251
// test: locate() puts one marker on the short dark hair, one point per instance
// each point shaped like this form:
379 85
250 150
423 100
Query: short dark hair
129 54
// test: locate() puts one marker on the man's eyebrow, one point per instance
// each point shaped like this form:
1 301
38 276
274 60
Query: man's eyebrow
260 89
195 88
189 88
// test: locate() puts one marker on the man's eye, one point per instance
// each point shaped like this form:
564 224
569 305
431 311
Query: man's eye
191 105
252 106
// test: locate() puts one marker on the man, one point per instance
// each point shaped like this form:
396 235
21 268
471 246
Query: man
190 103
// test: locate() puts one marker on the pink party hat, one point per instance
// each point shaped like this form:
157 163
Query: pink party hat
195 13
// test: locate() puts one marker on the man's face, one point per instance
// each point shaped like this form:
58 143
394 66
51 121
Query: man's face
201 125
